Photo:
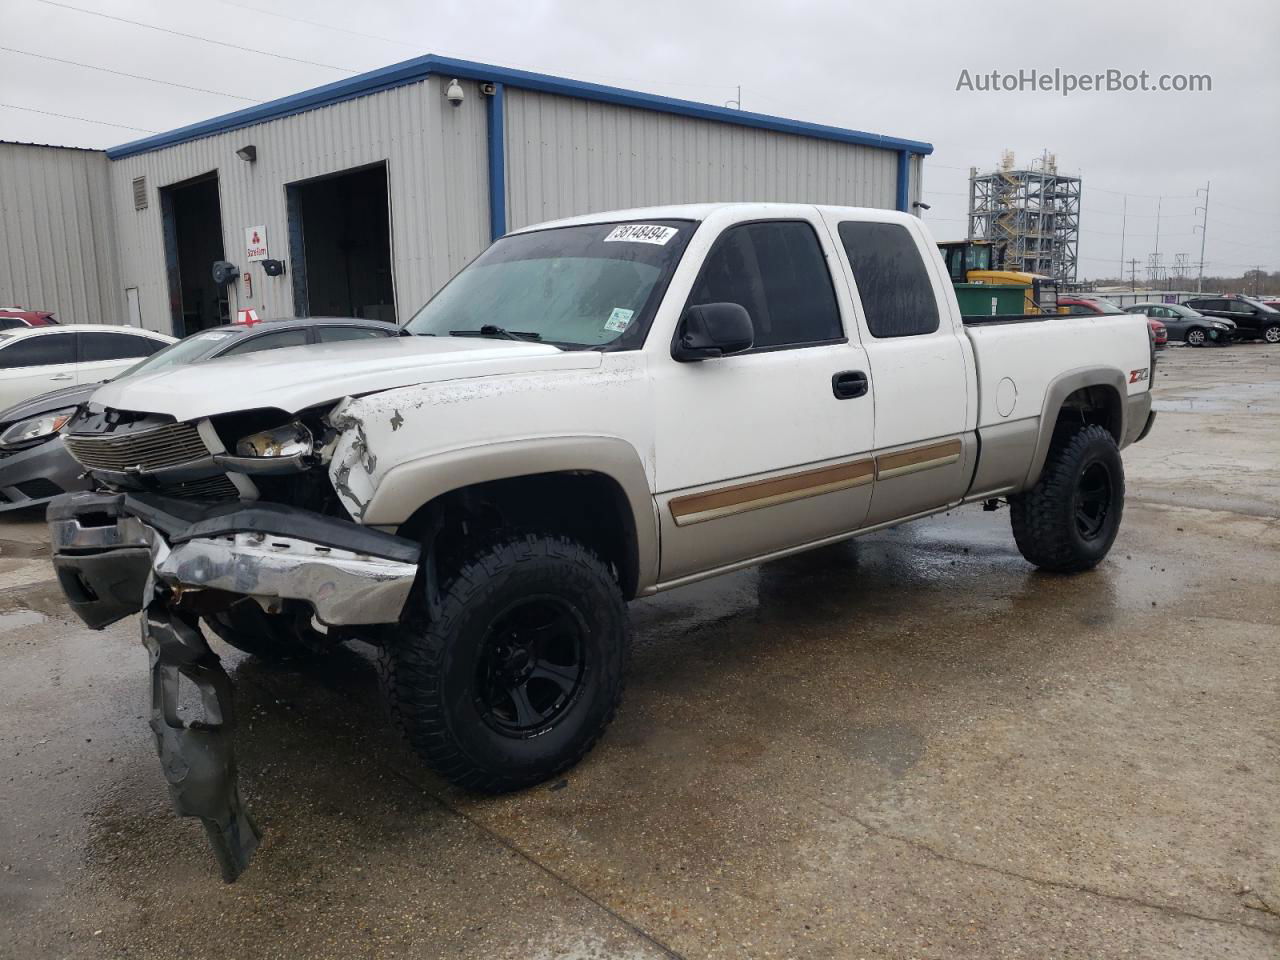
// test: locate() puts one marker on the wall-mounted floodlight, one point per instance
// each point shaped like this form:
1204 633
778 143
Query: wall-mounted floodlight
920 204
248 153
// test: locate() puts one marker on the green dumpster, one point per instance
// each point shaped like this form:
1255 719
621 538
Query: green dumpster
991 299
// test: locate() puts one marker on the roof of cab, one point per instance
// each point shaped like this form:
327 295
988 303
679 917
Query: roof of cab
701 211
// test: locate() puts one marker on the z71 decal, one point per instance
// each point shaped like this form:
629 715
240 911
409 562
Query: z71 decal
1137 376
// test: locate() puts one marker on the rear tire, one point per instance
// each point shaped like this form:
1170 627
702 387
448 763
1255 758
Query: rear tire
520 672
1196 337
1068 521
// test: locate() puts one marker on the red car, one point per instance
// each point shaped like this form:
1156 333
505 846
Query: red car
13 317
1091 305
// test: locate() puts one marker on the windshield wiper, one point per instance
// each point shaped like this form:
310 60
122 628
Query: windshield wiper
490 330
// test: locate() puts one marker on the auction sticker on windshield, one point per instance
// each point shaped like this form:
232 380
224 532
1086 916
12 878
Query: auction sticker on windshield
641 233
619 320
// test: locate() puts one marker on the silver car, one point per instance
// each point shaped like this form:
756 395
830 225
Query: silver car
34 465
1190 326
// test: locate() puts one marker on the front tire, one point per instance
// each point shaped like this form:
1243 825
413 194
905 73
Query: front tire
520 672
1196 337
1271 334
1068 521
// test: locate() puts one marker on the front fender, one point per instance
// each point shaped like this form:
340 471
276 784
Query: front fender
406 487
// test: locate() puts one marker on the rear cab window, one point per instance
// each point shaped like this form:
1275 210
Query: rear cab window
893 282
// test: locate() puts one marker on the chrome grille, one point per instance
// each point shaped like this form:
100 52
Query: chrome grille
167 446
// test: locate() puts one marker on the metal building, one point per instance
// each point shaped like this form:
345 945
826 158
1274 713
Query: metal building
1034 213
57 233
364 196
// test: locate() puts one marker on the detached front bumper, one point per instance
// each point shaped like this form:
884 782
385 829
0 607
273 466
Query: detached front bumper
107 546
120 554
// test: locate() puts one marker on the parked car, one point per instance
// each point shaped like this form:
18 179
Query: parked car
593 410
1270 302
35 360
1159 333
34 462
1254 320
1189 326
12 318
1094 306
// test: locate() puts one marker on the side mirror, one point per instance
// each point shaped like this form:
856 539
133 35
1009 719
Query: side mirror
713 330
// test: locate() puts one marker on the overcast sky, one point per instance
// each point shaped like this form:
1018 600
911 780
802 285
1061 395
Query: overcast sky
889 68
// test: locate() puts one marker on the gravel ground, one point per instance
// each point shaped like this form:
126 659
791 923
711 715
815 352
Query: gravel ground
909 746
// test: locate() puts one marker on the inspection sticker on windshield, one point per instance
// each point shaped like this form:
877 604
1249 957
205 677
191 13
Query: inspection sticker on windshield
619 320
641 233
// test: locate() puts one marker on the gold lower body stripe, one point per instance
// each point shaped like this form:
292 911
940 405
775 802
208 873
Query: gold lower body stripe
727 501
919 458
697 507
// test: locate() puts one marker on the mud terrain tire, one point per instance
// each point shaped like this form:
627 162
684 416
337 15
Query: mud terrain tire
1068 521
520 671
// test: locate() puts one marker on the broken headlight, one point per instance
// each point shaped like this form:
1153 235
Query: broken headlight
291 440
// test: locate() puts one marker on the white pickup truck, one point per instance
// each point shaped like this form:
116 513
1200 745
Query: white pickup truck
595 410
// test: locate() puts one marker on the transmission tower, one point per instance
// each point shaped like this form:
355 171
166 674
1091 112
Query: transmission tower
1155 268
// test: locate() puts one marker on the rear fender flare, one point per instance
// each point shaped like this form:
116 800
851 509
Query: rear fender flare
1061 387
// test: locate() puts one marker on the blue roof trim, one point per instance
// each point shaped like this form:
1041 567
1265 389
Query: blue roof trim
411 71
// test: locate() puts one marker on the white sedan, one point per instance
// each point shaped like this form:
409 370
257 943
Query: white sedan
39 359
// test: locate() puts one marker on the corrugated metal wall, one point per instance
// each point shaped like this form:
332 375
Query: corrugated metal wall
57 239
564 156
567 156
436 176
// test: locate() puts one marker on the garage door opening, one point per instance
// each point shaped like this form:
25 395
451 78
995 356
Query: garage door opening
192 217
340 246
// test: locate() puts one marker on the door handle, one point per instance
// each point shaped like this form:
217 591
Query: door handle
849 384
63 376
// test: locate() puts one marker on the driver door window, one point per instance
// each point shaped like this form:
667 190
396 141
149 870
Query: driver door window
776 271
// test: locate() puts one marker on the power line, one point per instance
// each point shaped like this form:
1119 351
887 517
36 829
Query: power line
67 116
132 76
194 36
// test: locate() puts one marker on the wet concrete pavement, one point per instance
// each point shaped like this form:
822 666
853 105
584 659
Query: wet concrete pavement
909 746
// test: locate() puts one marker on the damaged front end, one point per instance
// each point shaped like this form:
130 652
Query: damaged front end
138 548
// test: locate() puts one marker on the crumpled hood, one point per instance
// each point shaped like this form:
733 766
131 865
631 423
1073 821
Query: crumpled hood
295 378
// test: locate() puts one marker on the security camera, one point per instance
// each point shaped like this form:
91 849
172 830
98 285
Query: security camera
453 93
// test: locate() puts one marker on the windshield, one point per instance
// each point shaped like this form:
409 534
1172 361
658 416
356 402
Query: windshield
198 346
575 287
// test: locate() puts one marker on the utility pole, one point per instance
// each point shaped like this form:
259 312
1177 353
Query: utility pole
1124 220
1257 277
1133 274
1159 203
1204 230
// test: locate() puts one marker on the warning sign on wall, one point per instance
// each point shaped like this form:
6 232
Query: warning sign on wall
255 243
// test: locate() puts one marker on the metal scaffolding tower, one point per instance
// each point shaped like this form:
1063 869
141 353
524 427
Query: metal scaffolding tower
1033 212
